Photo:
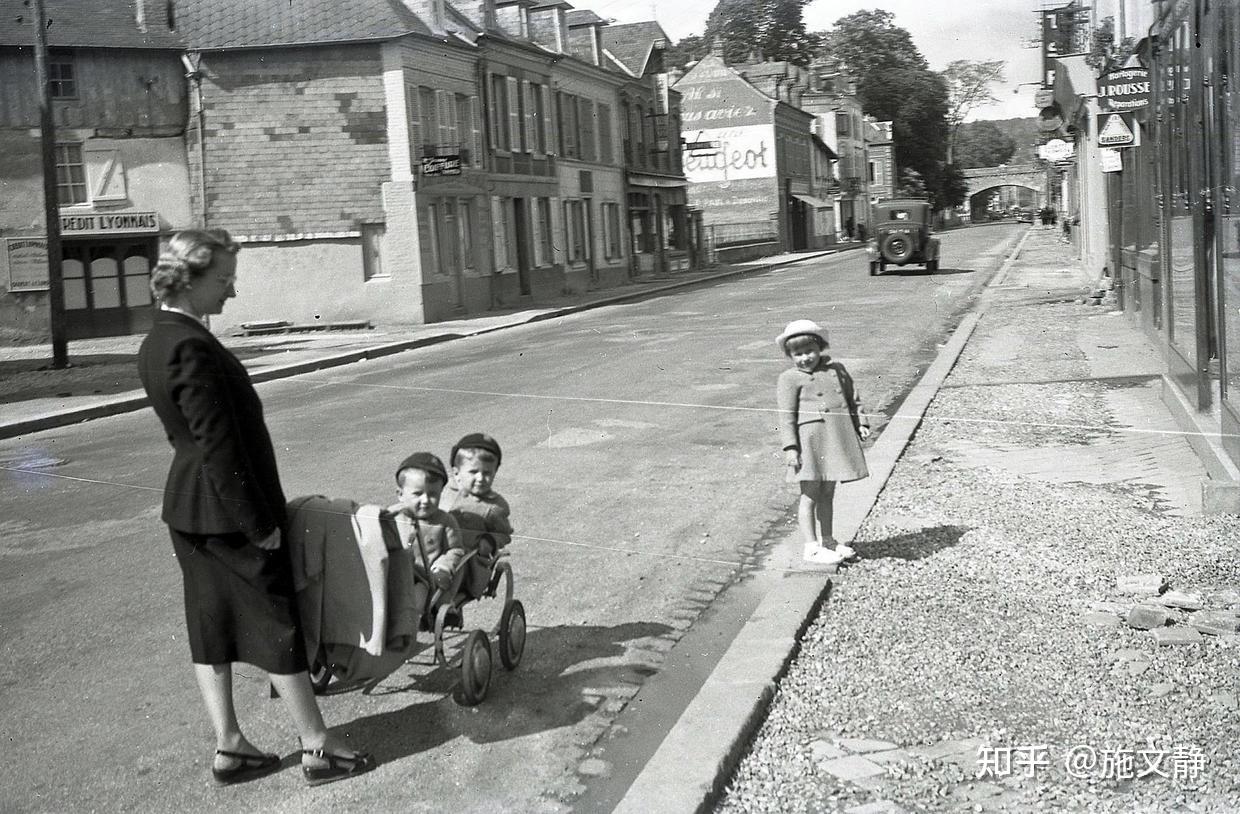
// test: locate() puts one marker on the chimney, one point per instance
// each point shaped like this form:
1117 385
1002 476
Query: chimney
479 12
430 12
585 37
512 18
548 27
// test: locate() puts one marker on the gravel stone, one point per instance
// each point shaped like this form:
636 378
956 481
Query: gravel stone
1145 617
954 624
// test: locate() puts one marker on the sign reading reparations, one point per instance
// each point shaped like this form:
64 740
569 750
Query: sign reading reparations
1124 90
91 223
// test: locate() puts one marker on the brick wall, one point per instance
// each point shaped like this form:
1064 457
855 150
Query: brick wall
296 140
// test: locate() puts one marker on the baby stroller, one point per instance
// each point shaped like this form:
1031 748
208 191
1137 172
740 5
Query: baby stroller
475 578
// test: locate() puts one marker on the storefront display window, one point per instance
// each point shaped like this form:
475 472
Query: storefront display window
1180 247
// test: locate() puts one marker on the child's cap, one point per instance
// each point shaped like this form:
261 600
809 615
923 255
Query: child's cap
478 440
801 327
425 461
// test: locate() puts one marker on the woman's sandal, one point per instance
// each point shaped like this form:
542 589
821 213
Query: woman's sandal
339 767
251 767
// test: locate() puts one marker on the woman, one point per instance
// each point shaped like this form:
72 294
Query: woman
225 508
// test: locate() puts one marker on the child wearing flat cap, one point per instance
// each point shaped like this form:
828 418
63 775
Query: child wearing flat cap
821 429
420 524
481 511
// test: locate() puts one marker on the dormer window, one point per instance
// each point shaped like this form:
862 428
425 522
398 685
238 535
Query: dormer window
61 76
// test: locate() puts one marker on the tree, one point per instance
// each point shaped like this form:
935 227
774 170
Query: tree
983 144
767 29
895 83
968 88
690 49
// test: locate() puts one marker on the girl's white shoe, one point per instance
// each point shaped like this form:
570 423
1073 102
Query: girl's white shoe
821 556
847 552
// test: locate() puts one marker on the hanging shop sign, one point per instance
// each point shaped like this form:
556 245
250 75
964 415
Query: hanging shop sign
27 264
441 165
1116 130
1057 150
1110 160
1124 90
117 223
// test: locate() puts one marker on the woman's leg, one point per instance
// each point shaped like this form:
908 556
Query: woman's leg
806 512
215 684
299 698
825 507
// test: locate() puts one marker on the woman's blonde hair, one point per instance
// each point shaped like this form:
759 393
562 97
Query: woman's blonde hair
186 256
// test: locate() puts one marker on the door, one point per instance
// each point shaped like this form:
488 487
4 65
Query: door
521 229
107 287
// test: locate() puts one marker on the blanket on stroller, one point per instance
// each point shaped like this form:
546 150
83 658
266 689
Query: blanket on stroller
357 599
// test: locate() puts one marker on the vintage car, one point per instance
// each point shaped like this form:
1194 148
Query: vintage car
900 235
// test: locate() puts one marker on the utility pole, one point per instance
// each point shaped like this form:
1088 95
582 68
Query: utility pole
51 202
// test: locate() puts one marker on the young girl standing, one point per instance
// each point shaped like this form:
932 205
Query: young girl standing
821 429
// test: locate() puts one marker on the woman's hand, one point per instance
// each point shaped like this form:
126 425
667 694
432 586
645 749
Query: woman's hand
271 542
792 458
863 431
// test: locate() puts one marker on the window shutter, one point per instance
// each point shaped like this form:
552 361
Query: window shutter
415 126
443 117
558 236
500 246
531 118
514 113
585 111
548 119
534 224
475 146
606 152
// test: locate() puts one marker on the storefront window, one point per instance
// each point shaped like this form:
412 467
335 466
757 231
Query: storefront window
1181 268
1227 204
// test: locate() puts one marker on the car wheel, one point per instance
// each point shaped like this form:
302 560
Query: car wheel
896 248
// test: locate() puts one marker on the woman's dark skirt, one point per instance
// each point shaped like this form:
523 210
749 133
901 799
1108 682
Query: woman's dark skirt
239 602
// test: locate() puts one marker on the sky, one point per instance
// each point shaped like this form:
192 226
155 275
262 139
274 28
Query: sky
942 31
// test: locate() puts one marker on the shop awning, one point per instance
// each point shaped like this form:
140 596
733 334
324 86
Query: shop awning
1074 83
817 203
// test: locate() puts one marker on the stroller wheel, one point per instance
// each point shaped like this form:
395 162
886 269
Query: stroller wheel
512 634
476 668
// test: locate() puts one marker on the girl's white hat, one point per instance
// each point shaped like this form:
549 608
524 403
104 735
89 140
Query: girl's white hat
801 327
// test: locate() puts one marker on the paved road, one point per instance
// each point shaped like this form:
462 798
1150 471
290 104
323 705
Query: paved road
642 466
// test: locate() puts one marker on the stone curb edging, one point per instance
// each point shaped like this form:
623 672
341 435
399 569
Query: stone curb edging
137 400
689 770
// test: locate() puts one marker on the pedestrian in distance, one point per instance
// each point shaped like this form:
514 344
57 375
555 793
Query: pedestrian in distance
849 226
821 429
225 511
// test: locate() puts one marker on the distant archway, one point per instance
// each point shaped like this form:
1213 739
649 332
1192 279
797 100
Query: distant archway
1027 176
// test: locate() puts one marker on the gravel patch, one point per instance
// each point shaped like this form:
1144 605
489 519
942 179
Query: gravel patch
962 626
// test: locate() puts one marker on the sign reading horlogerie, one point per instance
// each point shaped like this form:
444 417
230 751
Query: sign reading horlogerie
1124 90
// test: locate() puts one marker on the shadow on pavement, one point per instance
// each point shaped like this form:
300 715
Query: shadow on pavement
914 545
544 692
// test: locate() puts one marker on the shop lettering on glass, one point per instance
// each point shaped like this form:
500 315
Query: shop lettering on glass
742 152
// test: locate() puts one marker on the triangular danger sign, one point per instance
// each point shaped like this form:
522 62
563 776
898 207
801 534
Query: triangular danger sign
1115 132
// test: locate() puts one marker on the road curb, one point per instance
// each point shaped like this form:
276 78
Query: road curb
692 765
137 400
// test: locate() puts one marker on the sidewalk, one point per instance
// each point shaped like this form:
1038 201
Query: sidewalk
984 652
103 380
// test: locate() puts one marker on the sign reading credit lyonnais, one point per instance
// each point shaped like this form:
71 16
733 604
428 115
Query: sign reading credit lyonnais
743 152
27 264
115 223
1123 90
